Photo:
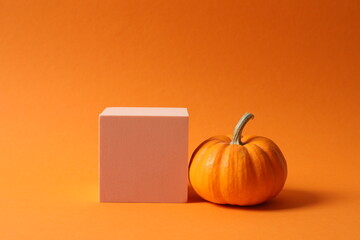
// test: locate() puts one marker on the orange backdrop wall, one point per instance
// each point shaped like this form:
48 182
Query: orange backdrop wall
294 64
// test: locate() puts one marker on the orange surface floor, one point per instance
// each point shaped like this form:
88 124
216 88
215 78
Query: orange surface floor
294 64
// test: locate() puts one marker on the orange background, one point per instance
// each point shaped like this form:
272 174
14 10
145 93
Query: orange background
294 64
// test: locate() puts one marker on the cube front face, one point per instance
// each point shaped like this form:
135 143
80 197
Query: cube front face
143 158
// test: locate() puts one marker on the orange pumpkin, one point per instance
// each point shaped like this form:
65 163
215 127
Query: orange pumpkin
238 171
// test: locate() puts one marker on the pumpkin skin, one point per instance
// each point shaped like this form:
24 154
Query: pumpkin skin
238 172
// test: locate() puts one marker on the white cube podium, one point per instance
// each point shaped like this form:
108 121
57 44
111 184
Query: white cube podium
143 154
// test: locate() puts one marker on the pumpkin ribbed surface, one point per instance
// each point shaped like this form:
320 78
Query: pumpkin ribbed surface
240 174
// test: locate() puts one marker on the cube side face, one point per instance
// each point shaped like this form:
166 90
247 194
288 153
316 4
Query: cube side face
143 159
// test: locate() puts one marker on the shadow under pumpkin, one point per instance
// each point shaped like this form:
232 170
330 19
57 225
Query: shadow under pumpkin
287 199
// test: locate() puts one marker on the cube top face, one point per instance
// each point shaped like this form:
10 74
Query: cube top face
145 111
143 157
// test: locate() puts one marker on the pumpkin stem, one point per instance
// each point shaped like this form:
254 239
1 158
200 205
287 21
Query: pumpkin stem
239 128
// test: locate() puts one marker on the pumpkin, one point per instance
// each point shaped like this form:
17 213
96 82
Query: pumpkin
240 170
